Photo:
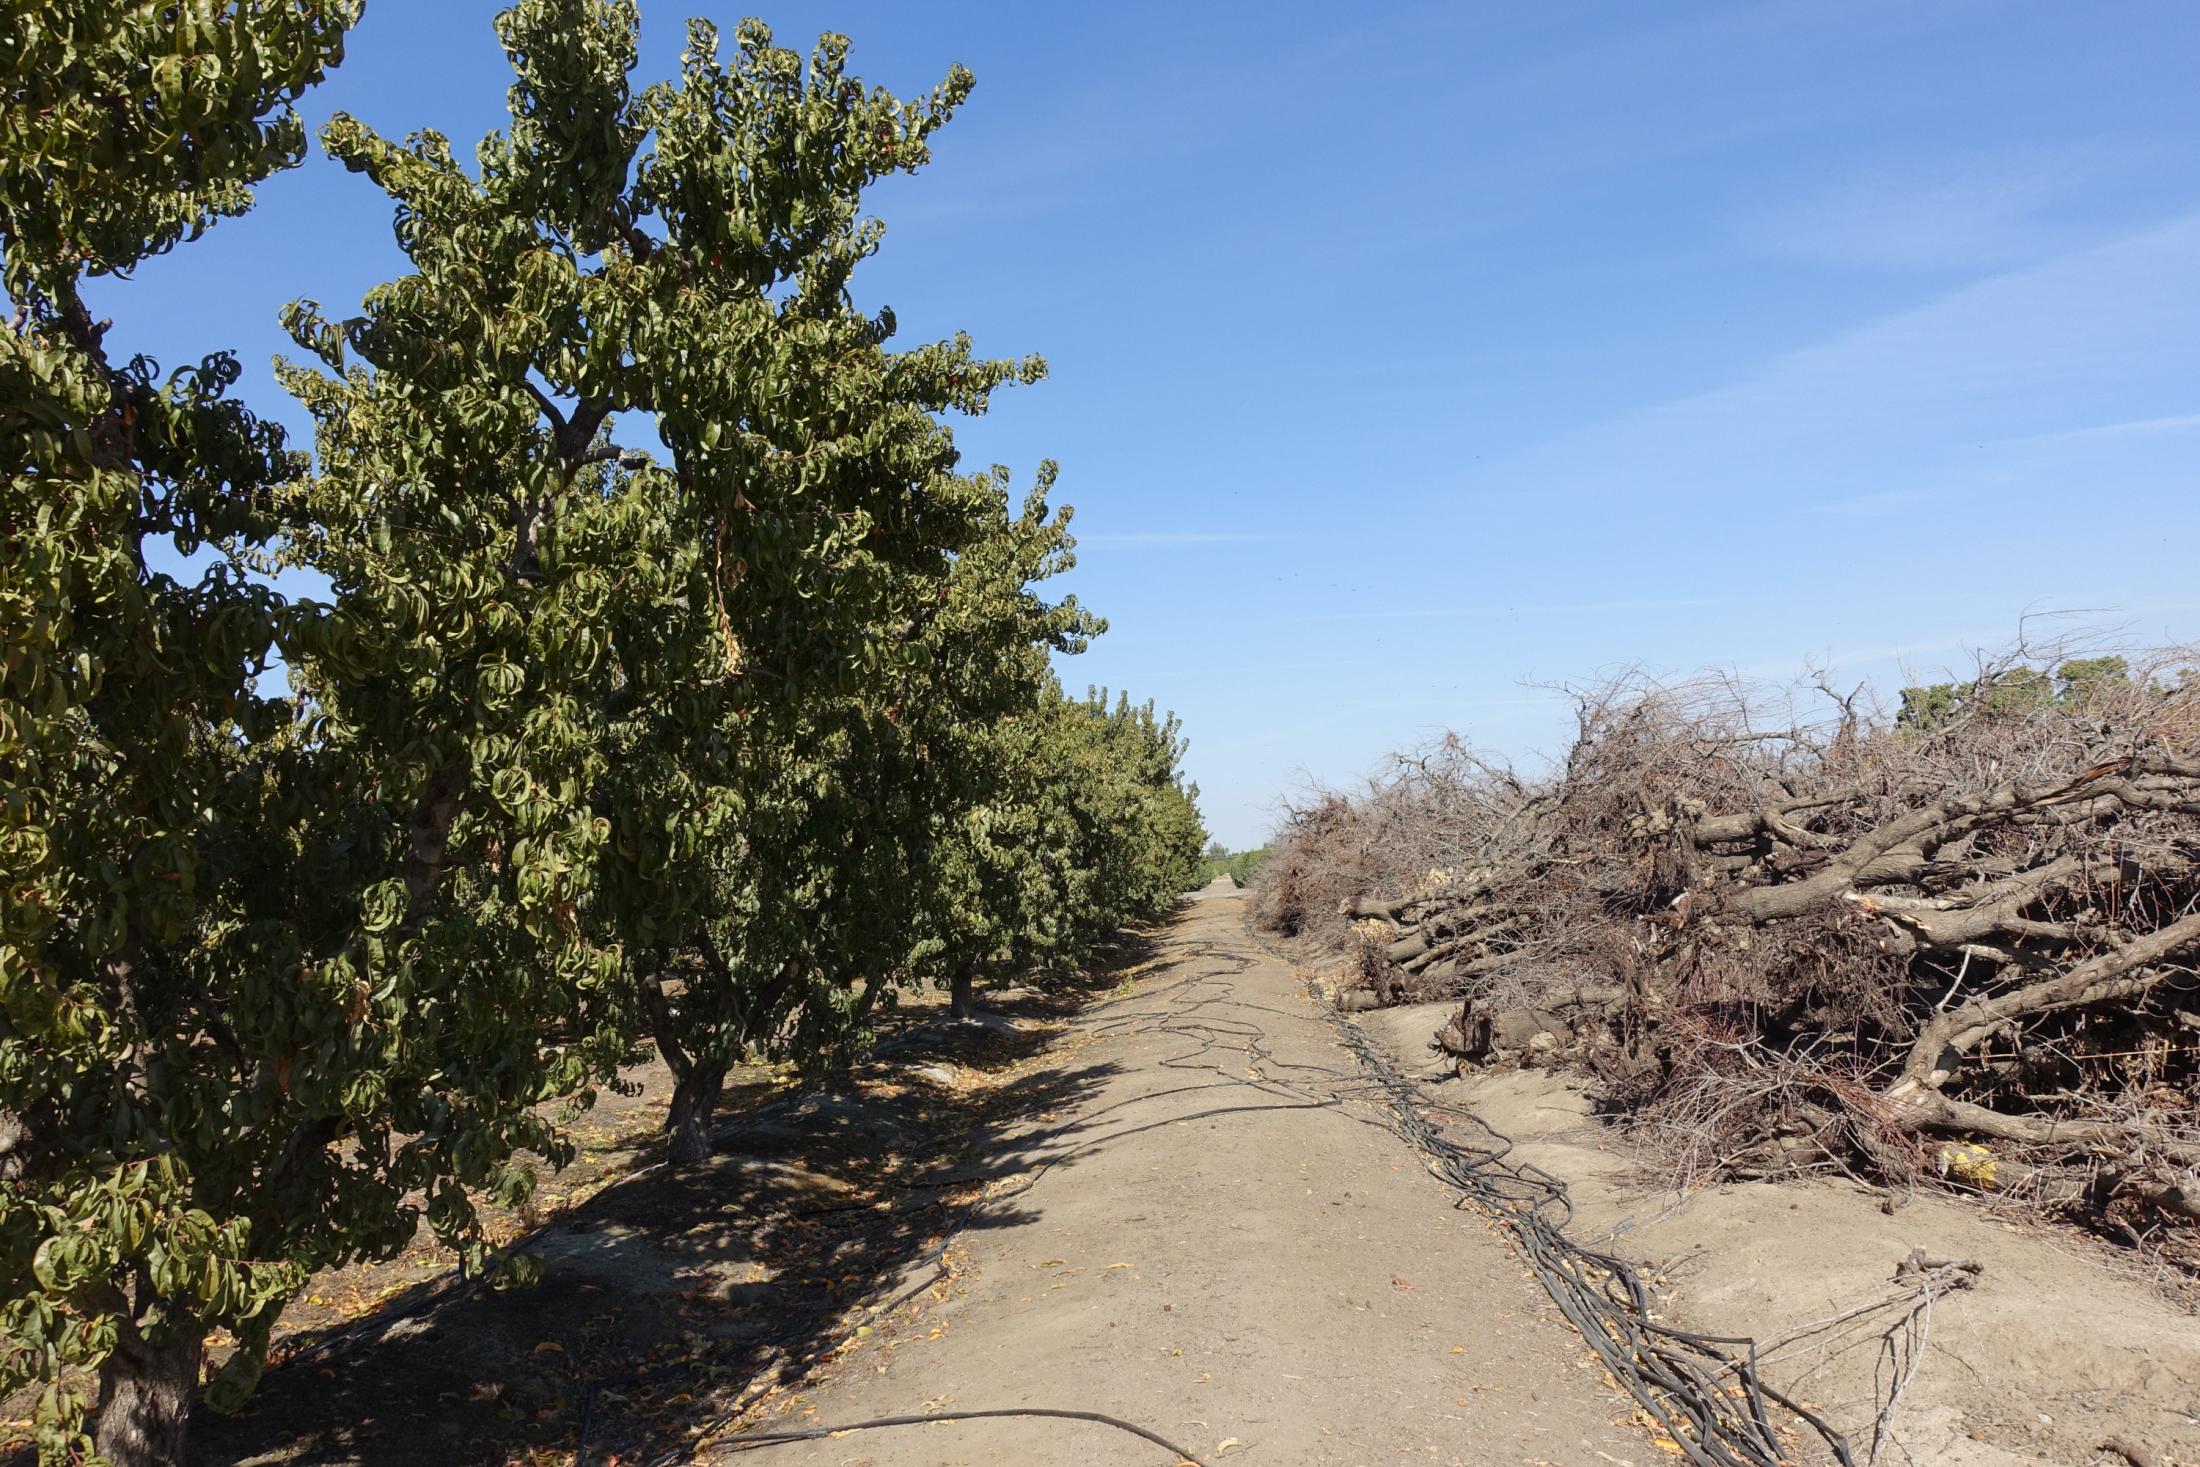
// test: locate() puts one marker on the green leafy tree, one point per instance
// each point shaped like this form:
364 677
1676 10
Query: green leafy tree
1059 827
1246 865
2014 692
976 857
744 610
159 1172
1143 829
583 746
1240 866
1117 835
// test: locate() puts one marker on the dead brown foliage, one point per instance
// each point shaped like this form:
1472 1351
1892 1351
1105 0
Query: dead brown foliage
1792 933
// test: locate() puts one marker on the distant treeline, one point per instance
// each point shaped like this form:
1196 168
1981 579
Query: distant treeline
1239 866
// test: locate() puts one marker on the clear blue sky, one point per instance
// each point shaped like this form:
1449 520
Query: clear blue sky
1409 357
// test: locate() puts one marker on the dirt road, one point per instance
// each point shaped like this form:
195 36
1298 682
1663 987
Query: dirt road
1219 1243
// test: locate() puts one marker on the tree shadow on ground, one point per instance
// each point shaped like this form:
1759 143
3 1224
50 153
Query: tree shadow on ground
665 1300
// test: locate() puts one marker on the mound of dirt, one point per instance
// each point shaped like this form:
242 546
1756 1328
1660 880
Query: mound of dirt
2047 1353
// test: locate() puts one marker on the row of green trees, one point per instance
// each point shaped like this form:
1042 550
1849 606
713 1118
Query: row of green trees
674 682
1240 866
2016 691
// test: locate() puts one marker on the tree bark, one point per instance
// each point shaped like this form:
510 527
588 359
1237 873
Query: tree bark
145 1391
962 1000
696 1082
694 1103
2121 972
428 839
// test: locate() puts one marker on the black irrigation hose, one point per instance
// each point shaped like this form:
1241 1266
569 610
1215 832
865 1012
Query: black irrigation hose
1679 1378
1676 1376
775 1438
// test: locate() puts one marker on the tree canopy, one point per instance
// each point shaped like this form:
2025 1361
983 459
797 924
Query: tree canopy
2017 690
674 683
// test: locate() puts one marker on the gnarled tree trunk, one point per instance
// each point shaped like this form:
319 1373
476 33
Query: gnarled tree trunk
694 1102
697 1082
145 1391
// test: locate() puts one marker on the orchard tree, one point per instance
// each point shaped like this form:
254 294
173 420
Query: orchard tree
988 675
164 1117
919 776
1075 821
649 693
1132 821
958 817
584 744
2019 690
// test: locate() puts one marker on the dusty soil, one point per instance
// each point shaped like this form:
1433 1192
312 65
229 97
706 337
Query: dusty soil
2054 1349
1217 1241
665 1303
1166 1196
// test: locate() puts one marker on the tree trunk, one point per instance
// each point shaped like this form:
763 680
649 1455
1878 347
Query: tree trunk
962 1000
145 1391
694 1103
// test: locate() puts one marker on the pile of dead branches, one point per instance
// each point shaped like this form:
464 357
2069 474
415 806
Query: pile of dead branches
1956 944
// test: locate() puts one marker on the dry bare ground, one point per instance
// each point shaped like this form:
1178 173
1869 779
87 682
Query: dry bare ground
2018 1342
1159 1200
1166 1199
1223 1243
665 1302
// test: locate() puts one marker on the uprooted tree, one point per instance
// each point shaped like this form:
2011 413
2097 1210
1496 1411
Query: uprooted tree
586 746
1960 943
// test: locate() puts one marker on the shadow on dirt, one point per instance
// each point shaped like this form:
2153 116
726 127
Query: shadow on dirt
664 1300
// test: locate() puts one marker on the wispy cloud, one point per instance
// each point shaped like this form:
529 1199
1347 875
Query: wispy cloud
2134 428
1751 72
1878 504
1838 658
1551 608
2059 320
2071 620
1159 539
1963 214
1937 379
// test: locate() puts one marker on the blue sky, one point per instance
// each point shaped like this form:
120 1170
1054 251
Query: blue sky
1409 360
